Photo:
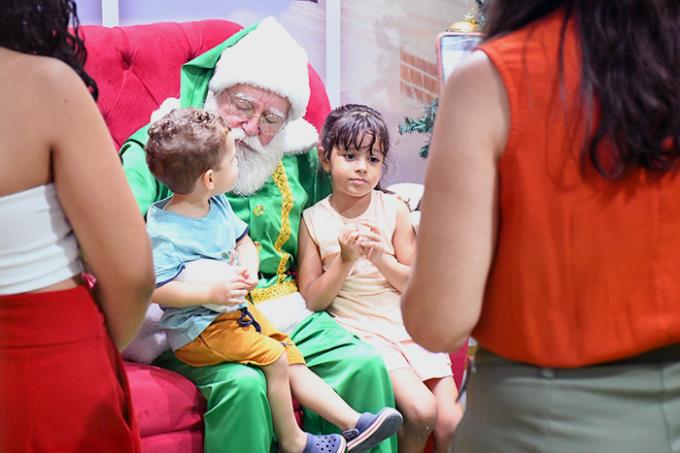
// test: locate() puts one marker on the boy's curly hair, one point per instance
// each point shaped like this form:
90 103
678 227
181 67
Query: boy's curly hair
183 145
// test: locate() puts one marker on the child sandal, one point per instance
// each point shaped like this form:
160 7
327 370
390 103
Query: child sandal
371 429
328 443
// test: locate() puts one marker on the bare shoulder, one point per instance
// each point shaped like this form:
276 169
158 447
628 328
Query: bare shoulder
43 82
309 211
475 69
475 100
58 80
42 73
40 89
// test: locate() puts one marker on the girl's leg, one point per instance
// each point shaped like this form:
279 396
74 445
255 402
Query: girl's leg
419 408
315 394
290 436
449 413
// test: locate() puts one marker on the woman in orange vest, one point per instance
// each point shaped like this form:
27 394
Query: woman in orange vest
551 214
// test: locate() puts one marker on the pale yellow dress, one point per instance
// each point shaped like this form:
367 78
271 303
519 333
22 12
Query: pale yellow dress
367 304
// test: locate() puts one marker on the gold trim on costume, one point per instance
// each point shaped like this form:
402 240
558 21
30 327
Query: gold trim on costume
274 291
281 180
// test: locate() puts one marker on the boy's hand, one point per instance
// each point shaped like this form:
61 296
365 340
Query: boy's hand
372 242
349 245
249 280
231 292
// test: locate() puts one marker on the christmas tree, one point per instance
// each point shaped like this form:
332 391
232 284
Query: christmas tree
424 124
421 125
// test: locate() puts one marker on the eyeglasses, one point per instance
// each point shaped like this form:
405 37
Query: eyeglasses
269 123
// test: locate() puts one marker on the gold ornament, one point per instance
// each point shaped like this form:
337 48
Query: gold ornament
258 210
468 24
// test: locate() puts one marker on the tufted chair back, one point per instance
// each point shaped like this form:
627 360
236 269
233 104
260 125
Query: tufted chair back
137 67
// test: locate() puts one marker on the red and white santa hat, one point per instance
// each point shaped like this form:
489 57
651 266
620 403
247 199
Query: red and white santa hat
268 57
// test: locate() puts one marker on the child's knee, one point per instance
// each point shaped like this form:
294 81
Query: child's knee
447 422
420 417
282 361
278 366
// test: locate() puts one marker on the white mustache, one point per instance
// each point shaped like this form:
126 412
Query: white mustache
256 162
238 133
252 142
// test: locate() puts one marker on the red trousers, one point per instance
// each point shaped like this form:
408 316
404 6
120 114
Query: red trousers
62 384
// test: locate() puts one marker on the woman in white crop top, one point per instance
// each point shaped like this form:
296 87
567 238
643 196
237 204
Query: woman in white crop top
62 195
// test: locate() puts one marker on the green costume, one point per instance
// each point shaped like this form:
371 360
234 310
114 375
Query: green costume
238 417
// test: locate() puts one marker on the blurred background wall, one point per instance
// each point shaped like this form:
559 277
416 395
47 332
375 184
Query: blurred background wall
375 52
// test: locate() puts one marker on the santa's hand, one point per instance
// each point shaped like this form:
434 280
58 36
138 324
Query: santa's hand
349 245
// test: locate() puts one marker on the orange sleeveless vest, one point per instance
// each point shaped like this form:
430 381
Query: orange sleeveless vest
586 270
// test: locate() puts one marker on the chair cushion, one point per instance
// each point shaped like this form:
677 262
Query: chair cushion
187 441
151 341
164 401
459 360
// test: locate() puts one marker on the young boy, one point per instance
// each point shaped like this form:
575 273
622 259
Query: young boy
192 152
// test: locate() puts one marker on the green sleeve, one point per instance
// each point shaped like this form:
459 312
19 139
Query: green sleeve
313 179
145 188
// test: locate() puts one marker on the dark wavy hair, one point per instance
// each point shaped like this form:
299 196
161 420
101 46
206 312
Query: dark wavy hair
347 125
630 75
41 27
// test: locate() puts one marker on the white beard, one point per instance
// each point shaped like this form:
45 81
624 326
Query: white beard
256 163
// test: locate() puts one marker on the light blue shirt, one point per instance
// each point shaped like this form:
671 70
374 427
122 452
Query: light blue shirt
177 240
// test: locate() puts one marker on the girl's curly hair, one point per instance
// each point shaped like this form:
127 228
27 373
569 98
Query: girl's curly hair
41 27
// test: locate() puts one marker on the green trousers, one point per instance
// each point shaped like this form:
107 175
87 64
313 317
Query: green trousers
238 418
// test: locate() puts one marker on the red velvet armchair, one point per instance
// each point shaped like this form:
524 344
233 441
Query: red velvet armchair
136 68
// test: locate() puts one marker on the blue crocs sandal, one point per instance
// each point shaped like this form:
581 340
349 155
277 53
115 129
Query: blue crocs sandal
372 429
328 443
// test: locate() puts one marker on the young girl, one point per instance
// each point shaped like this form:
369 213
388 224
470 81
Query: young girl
356 251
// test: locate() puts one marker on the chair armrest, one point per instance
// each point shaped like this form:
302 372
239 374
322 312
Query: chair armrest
411 193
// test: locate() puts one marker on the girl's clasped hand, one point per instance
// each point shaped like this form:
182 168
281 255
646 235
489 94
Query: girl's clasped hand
363 240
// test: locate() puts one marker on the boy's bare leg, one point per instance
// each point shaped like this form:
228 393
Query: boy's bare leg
315 394
291 439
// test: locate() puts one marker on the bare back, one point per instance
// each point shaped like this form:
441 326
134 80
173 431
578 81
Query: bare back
24 132
51 131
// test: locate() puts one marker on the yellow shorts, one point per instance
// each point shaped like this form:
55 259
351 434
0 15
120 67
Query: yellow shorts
225 340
